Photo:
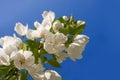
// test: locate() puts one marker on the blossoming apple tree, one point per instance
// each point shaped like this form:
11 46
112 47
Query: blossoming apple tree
58 38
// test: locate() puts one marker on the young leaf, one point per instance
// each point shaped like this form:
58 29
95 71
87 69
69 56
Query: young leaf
69 41
53 63
23 76
4 70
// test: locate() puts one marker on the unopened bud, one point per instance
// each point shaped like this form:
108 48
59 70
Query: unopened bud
65 18
57 25
80 22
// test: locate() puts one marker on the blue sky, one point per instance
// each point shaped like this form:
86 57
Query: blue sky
101 58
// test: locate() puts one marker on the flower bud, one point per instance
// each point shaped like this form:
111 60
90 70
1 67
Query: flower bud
65 18
79 22
57 25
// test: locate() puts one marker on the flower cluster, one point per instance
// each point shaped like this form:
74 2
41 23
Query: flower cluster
50 42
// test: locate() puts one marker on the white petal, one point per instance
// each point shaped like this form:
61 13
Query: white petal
75 51
48 19
4 58
27 54
10 41
81 39
59 38
48 75
57 25
29 61
10 49
52 75
21 29
49 47
37 24
49 15
32 34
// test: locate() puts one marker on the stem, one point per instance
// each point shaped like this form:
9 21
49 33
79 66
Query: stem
13 72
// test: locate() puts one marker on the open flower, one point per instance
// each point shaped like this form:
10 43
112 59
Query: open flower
52 75
43 31
47 75
10 41
10 44
61 57
48 17
34 70
4 58
32 34
21 29
23 59
49 44
55 44
76 48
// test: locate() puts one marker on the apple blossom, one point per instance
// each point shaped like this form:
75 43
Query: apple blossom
21 29
10 41
47 75
48 17
61 57
76 48
52 75
50 42
57 25
56 43
32 34
23 59
4 58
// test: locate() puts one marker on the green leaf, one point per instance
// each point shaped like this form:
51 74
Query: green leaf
65 30
34 46
76 30
51 30
23 76
69 41
53 63
80 28
12 78
62 20
4 70
42 51
43 59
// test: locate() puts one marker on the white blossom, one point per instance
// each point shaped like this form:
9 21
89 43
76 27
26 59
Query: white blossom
61 57
57 25
21 29
56 43
47 75
9 49
32 34
4 58
23 59
76 48
48 17
13 49
10 41
35 69
52 75
42 30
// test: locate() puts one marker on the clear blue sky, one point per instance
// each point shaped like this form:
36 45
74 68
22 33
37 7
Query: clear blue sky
101 58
